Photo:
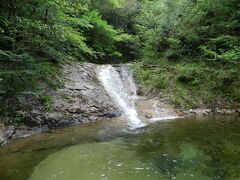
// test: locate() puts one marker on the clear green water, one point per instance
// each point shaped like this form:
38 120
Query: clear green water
196 149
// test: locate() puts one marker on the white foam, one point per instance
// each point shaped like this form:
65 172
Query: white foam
124 97
164 118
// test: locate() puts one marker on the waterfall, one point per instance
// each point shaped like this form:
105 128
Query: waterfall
121 88
119 84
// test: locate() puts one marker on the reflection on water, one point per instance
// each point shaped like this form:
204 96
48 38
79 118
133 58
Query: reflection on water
181 149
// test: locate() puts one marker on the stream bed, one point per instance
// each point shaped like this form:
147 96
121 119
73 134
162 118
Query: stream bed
187 148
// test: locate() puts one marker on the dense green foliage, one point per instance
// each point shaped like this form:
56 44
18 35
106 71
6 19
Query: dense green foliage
119 13
187 50
191 50
36 34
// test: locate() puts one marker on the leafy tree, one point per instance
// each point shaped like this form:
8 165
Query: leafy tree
198 40
38 35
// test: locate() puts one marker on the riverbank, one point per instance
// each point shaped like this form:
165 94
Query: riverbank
189 86
83 99
178 148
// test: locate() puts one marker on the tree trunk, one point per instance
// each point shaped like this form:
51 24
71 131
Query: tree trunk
14 6
9 12
1 7
46 16
34 8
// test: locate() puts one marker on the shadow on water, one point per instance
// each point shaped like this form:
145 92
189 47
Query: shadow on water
21 156
190 148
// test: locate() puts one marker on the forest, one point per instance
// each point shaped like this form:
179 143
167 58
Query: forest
187 51
119 89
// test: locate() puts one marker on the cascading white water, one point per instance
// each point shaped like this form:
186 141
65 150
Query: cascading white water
122 93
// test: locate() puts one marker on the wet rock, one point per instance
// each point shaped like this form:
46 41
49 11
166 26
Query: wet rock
110 115
3 140
198 112
148 116
229 111
6 133
9 132
205 112
237 111
25 131
93 109
153 108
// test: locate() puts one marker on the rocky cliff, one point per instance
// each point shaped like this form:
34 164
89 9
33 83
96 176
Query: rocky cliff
81 99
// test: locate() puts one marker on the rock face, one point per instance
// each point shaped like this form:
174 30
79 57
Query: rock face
82 99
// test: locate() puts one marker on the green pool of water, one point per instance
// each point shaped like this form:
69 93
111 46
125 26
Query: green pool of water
190 148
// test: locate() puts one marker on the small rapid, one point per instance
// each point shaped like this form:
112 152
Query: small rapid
160 114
